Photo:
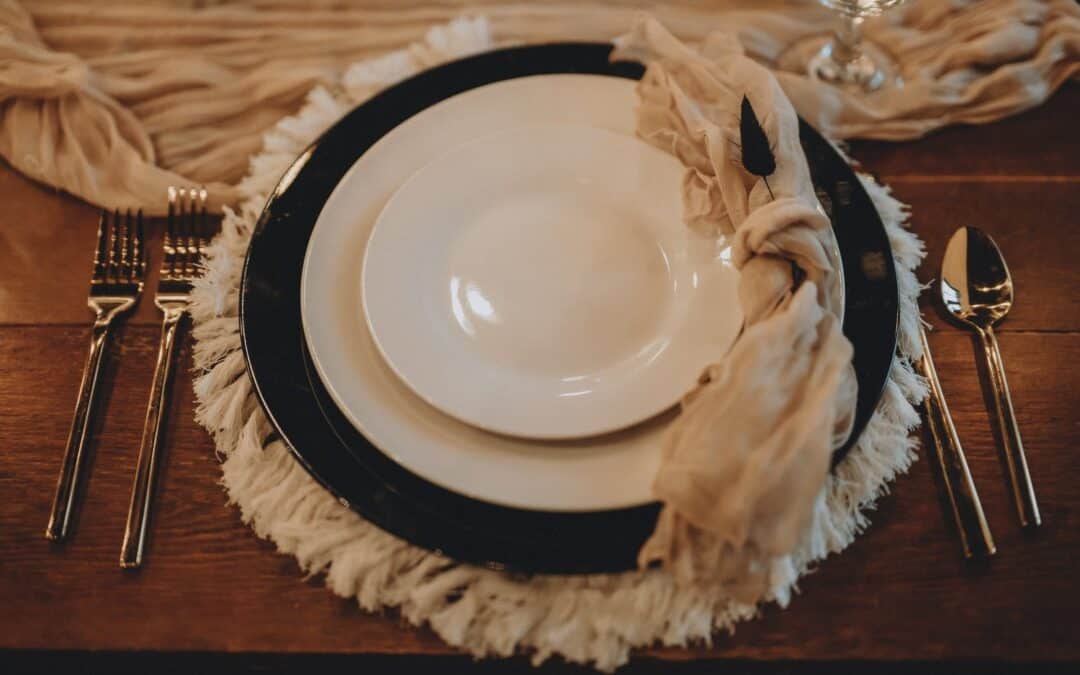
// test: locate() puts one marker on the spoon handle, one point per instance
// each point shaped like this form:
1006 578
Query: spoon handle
975 537
1019 477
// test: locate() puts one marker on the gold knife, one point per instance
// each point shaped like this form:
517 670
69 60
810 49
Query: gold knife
975 537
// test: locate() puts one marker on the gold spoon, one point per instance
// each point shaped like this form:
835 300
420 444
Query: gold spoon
978 291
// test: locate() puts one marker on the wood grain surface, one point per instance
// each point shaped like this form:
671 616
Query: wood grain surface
901 598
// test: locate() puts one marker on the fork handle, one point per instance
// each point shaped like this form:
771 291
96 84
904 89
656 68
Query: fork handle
142 492
1027 508
975 537
67 485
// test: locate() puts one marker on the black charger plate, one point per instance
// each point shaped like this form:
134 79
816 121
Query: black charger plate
402 503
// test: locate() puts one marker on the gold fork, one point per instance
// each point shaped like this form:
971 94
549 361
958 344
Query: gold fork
117 281
186 238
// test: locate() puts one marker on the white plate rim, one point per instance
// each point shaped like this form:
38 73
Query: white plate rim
637 453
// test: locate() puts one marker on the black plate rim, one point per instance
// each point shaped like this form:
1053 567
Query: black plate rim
393 504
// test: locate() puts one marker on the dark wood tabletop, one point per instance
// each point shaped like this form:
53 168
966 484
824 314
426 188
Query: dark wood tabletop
901 596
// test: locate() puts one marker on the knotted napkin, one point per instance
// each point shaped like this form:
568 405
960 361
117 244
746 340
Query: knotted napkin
747 457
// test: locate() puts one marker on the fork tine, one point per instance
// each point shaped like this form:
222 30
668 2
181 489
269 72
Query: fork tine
185 232
204 232
178 236
140 242
115 243
168 263
127 249
193 234
101 254
134 244
177 240
198 233
189 205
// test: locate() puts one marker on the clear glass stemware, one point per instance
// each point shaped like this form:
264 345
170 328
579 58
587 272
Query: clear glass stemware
844 58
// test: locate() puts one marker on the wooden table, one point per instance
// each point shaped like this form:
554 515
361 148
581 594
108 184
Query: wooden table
899 596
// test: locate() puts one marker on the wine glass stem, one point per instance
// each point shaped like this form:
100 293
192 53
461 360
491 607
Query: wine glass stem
848 39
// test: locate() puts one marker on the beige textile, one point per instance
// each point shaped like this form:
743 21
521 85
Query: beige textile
746 459
596 618
112 100
962 61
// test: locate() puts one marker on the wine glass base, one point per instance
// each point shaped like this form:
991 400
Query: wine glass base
871 70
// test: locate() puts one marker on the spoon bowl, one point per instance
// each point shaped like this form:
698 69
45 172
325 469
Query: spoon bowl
976 286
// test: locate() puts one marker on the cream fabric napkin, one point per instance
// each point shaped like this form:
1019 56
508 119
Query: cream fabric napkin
747 457
112 100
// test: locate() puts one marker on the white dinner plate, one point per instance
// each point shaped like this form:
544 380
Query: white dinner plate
540 282
597 473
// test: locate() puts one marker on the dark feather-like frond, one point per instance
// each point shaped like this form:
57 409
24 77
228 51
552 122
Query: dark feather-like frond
757 156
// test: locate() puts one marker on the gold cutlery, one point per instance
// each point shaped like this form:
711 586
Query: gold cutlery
978 291
186 238
115 285
975 537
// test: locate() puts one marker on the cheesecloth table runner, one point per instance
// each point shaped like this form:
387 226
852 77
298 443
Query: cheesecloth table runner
113 100
593 619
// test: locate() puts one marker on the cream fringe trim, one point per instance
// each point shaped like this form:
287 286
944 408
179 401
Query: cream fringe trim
594 619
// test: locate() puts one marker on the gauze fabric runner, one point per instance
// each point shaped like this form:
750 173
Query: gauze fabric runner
59 125
112 100
746 459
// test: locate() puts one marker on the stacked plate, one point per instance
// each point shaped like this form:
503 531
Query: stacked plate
471 307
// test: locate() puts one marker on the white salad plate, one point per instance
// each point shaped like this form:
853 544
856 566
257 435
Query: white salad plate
540 282
593 473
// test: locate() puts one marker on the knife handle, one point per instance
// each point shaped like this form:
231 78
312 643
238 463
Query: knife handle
975 537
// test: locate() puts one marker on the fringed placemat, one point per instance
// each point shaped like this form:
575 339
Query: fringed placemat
594 619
